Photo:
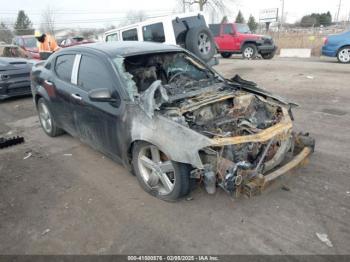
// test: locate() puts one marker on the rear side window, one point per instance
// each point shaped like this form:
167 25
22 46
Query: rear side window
228 29
63 67
215 29
154 33
112 37
93 74
130 35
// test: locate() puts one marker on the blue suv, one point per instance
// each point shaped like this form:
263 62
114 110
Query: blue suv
338 46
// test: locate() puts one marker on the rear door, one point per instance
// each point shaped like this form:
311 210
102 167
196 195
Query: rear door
59 86
97 122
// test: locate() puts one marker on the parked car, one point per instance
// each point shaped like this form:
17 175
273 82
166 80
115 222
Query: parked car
14 72
235 38
29 44
76 40
189 31
170 118
338 45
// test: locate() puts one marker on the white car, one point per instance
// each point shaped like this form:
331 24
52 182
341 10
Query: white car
188 30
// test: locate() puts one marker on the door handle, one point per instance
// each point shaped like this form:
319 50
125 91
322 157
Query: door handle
76 96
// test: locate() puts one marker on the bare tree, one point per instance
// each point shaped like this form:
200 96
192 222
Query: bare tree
133 17
218 5
5 33
48 21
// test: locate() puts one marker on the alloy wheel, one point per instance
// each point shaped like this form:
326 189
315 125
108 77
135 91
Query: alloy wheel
45 117
344 55
157 171
204 44
248 52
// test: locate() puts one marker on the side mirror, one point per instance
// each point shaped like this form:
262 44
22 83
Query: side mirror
103 95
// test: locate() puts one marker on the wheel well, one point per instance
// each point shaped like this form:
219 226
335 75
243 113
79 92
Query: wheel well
248 42
342 47
37 97
129 152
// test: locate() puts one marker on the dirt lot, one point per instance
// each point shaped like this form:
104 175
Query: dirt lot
67 198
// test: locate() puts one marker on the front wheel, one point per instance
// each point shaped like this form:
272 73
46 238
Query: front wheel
157 174
249 51
343 55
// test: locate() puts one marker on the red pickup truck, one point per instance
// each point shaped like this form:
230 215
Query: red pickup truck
234 38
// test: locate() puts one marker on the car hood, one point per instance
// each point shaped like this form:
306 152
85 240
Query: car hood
9 63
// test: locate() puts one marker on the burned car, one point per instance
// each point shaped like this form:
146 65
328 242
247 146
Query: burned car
168 117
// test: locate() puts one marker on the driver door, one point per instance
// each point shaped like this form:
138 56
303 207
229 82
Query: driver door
97 123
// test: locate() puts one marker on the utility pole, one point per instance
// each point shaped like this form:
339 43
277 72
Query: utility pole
184 6
282 14
338 11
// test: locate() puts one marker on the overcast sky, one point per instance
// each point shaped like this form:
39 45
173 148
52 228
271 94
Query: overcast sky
100 13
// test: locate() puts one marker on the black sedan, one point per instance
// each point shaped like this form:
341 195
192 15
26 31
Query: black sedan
168 117
14 77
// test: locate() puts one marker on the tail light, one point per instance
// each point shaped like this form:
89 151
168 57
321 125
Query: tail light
325 40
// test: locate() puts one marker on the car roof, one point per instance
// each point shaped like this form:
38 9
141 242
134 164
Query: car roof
126 48
155 20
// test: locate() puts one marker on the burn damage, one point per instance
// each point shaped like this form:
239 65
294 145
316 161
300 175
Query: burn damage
234 134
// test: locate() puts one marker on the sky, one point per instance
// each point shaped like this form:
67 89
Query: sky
103 13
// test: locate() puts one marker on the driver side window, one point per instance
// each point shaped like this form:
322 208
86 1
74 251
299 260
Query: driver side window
93 74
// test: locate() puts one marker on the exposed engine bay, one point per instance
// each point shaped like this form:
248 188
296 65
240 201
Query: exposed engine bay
182 89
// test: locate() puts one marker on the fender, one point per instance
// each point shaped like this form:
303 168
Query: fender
251 41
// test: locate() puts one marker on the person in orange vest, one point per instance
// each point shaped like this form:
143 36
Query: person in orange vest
47 44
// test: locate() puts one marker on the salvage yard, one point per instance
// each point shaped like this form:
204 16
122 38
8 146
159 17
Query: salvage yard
58 196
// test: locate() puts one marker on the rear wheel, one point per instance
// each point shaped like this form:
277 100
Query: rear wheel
249 51
226 54
46 120
200 41
344 54
157 174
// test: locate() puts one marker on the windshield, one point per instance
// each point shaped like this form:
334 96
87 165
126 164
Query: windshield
30 42
176 69
243 28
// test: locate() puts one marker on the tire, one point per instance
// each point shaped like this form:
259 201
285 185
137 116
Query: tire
268 56
343 55
179 175
200 41
44 112
249 51
226 54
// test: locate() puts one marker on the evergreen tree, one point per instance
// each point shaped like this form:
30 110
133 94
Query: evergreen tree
240 18
23 23
224 20
252 24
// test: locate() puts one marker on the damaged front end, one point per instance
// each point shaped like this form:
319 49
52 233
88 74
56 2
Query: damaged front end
237 138
252 142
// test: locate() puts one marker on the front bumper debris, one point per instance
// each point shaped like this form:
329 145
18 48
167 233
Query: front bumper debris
257 185
7 142
283 151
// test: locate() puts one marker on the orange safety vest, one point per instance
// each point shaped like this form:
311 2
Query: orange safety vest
49 44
